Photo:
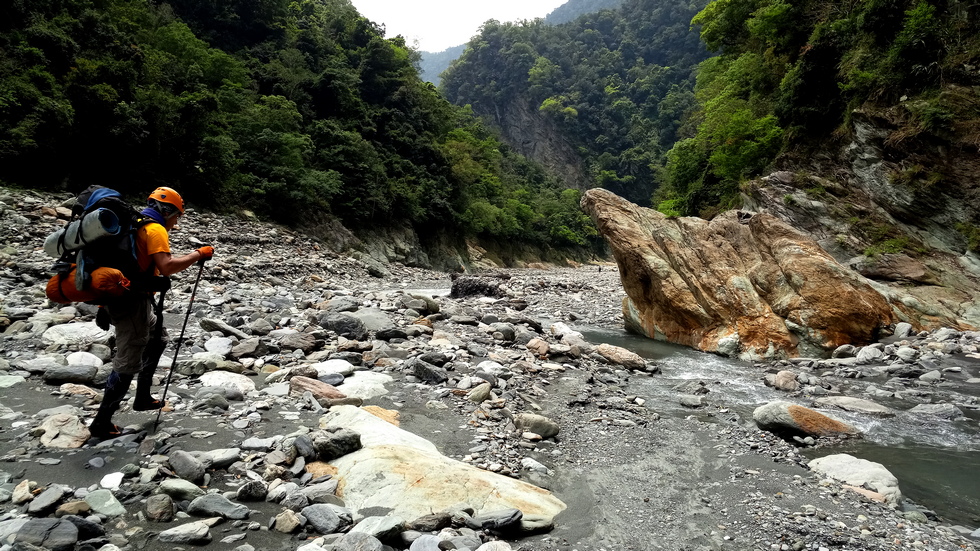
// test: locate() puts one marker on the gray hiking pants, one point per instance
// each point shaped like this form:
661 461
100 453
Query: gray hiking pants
134 320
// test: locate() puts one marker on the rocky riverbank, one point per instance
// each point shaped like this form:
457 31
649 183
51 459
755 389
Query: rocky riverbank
263 445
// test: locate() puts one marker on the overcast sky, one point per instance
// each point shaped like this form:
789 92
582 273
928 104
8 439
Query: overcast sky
441 24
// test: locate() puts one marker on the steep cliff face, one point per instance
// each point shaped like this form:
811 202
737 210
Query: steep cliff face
898 209
537 137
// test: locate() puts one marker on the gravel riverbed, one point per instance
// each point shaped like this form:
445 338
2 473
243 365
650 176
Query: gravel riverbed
632 476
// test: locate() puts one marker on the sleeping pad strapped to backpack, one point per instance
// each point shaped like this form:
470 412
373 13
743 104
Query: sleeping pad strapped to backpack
96 251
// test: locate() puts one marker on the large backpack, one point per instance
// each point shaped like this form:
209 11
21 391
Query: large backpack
96 250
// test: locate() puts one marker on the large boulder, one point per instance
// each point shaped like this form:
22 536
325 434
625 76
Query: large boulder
406 476
859 472
744 284
790 419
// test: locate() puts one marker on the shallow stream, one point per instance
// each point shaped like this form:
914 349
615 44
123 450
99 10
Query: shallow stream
936 462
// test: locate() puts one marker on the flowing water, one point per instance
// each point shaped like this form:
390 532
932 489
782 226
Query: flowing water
937 462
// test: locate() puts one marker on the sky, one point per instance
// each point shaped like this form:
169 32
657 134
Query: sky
440 24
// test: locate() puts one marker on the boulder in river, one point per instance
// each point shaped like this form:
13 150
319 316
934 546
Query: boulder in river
859 472
789 418
742 283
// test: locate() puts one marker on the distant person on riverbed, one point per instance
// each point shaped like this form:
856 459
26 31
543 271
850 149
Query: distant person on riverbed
133 315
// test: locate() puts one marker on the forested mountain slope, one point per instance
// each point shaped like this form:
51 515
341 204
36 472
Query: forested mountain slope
599 100
796 82
573 9
299 110
432 64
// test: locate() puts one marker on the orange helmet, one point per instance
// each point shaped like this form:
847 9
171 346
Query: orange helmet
169 196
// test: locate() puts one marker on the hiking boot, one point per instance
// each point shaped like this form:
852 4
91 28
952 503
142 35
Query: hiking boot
143 400
105 431
147 404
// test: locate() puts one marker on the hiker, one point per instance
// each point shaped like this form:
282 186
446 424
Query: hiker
138 349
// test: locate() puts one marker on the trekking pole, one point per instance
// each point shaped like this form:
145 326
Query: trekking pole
180 340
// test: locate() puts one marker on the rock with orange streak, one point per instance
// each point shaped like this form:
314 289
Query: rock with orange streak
741 284
788 418
319 389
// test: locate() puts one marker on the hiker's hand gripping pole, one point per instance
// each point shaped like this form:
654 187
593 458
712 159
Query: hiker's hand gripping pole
180 340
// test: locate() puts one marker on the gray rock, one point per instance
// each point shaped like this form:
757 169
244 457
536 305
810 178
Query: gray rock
277 494
322 518
382 528
261 444
186 466
345 325
49 533
857 405
931 377
479 394
8 381
907 353
359 541
78 374
211 324
844 351
296 501
196 533
253 490
903 329
690 400
391 333
506 330
77 334
498 520
180 489
343 304
374 319
425 371
299 341
869 355
331 445
45 502
224 458
538 424
251 348
219 345
214 505
160 508
426 542
324 492
287 522
86 529
104 503
946 411
859 472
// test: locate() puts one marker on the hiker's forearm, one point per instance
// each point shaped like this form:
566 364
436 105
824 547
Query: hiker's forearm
169 265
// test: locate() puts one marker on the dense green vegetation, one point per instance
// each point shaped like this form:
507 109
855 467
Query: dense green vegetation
617 82
573 9
792 73
291 108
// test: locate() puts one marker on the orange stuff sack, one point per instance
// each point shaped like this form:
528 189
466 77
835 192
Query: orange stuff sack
107 283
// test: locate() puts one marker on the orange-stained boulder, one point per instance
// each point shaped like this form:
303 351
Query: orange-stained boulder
742 284
788 418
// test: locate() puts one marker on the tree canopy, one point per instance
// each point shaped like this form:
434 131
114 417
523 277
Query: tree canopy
616 82
792 73
290 108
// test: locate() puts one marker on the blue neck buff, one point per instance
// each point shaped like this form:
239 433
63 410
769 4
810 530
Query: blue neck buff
151 212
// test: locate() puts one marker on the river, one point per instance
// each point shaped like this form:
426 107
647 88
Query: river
936 462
